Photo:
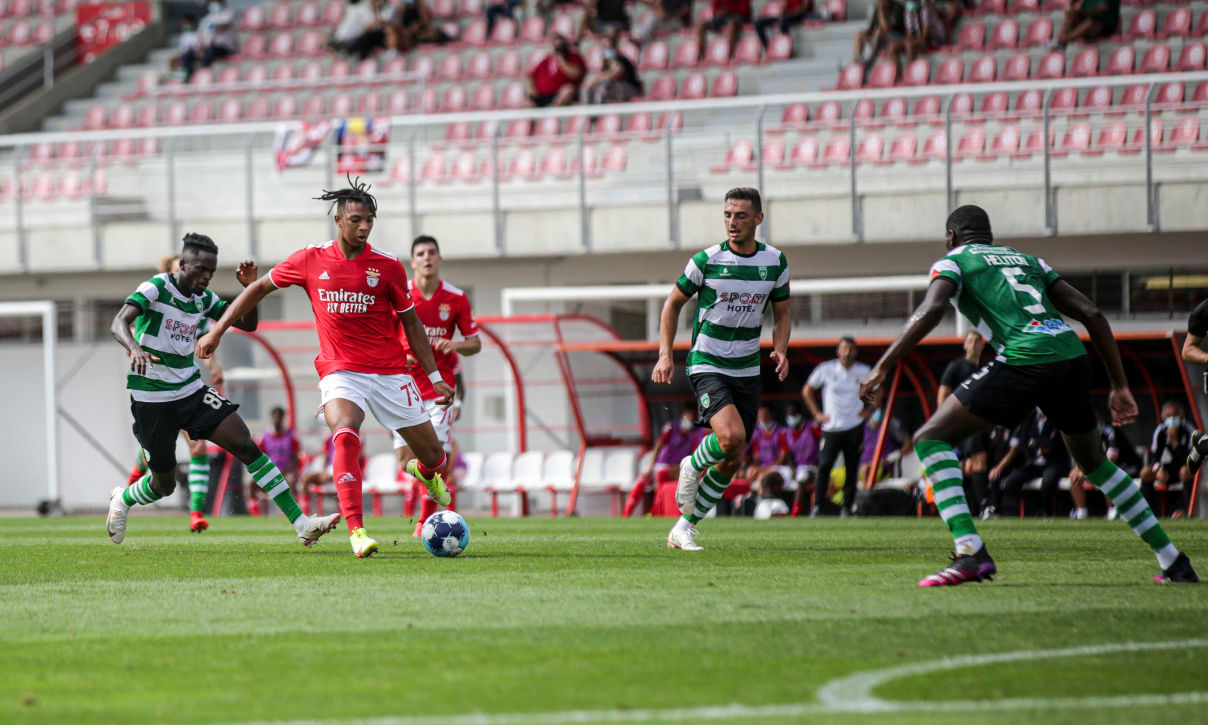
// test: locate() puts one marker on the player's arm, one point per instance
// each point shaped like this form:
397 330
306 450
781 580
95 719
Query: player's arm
807 395
247 273
466 347
1074 304
668 322
929 314
140 359
941 395
1192 352
781 324
417 340
246 302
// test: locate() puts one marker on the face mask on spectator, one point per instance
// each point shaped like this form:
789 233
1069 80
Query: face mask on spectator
876 417
610 54
215 7
793 420
1173 421
767 424
685 424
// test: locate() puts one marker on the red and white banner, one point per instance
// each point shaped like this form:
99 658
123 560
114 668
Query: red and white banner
101 26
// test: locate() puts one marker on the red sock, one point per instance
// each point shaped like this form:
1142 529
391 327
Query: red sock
346 467
135 474
636 495
427 507
796 510
427 472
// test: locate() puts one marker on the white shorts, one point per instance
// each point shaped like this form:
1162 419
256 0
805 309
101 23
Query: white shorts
393 399
442 420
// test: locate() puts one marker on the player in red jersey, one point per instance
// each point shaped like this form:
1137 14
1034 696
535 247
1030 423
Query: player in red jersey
441 307
360 298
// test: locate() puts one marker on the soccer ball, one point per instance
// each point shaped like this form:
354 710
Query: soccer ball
445 533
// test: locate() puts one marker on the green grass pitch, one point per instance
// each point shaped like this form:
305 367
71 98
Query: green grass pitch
589 620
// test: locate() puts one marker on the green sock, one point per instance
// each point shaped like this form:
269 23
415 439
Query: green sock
943 470
268 477
199 481
712 486
708 453
1126 496
140 492
140 461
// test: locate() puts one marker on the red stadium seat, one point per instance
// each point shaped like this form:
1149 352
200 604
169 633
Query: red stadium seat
828 112
516 130
655 56
1143 25
1077 138
479 66
434 169
1155 138
483 98
202 78
1006 141
780 48
367 69
341 105
1113 137
795 115
1005 35
663 89
333 13
522 166
514 95
1201 27
694 86
257 109
724 85
1169 94
564 24
961 105
608 125
339 68
279 17
424 66
472 8
717 52
935 148
917 73
1156 59
465 168
804 153
971 145
311 44
983 70
1025 6
229 74
123 116
1185 134
429 101
202 112
449 68
851 77
927 109
533 30
308 14
864 111
369 104
1034 143
994 104
1039 33
147 116
871 148
312 71
741 156
504 32
176 113
1177 24
1016 68
398 102
838 151
749 51
638 124
1121 61
1199 96
685 54
971 36
883 75
313 106
836 10
904 148
895 110
400 170
475 33
1086 63
556 164
285 108
281 46
253 19
1192 58
1134 97
614 160
950 72
547 129
1051 66
507 64
1098 98
671 119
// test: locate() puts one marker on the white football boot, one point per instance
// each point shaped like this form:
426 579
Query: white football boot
118 510
683 538
687 486
315 526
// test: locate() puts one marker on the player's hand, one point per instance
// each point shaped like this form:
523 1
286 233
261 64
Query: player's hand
994 474
782 365
455 414
247 272
411 360
140 361
663 369
207 344
870 387
444 346
821 418
1122 405
1076 477
445 392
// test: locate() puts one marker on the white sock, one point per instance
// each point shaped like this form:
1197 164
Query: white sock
683 524
301 523
1080 513
968 544
1166 556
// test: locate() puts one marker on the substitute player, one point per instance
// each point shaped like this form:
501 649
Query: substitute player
734 281
441 308
167 395
360 297
1015 300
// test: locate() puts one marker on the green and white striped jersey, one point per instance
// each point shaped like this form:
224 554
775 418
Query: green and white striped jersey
168 328
732 292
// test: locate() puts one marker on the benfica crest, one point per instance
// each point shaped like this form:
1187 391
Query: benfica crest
372 276
445 311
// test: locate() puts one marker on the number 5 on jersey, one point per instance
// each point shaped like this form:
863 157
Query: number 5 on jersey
1012 273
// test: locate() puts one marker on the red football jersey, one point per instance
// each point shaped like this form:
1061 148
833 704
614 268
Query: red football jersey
356 302
448 307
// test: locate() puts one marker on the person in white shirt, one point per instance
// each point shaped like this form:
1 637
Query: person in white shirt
842 417
362 30
215 39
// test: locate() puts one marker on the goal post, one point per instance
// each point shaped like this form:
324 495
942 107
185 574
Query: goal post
45 310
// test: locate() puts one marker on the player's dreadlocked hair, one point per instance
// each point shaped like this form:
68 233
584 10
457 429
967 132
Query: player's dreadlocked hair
355 193
195 243
970 222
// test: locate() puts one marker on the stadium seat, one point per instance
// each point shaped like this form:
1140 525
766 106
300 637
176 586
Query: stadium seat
1121 61
663 89
935 148
122 117
1034 143
308 14
1005 35
1169 95
369 104
514 96
961 105
479 66
229 110
1086 63
1030 101
724 85
740 157
749 51
1025 6
1201 26
1051 66
504 32
1156 59
871 148
465 169
556 163
883 75
950 71
281 46
1155 138
917 73
838 151
574 124
1113 137
655 56
1039 33
1006 141
472 8
895 111
284 109
971 145
449 68
607 125
864 111
829 112
1199 97
533 30
993 104
564 24
201 113
927 108
456 100
398 102
1186 134
339 68
279 17
547 128
424 66
253 19
673 120
1063 99
434 169
1177 24
904 148
257 109
1098 98
795 116
804 153
780 48
851 77
1134 97
773 152
685 55
522 166
1016 68
1143 25
333 13
1077 138
614 159
558 476
1192 57
475 34
341 105
717 52
639 124
971 36
983 70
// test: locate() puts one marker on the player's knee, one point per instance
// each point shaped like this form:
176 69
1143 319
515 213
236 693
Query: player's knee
732 442
164 484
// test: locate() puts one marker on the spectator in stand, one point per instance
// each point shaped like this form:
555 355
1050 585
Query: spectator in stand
618 80
974 463
1089 21
939 21
282 447
675 442
842 418
801 437
415 27
728 15
215 36
794 12
1120 451
886 29
664 16
915 42
897 438
767 449
556 78
497 10
189 43
604 17
1039 447
361 31
1167 456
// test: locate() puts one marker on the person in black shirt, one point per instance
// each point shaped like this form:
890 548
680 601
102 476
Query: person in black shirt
1193 352
618 80
1167 456
605 17
973 449
1043 453
1120 451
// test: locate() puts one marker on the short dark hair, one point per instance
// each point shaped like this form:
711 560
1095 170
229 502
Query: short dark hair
276 409
849 338
688 408
969 221
425 239
746 193
355 193
795 407
1174 403
197 243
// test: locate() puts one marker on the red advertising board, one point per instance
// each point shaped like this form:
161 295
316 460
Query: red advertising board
100 26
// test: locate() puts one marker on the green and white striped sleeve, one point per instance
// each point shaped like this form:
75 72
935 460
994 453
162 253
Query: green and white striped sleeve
217 307
144 295
694 275
780 292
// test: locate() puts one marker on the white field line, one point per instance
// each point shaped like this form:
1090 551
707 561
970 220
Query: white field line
850 694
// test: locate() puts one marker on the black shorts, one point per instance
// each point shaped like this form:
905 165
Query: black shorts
157 424
1005 394
715 391
542 101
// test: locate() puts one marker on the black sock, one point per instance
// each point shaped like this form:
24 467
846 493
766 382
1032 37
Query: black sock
979 481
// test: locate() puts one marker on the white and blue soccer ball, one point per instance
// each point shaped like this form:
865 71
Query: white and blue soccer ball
445 533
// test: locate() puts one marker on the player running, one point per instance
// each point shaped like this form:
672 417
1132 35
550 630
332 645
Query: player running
1015 300
441 307
733 281
167 395
359 295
